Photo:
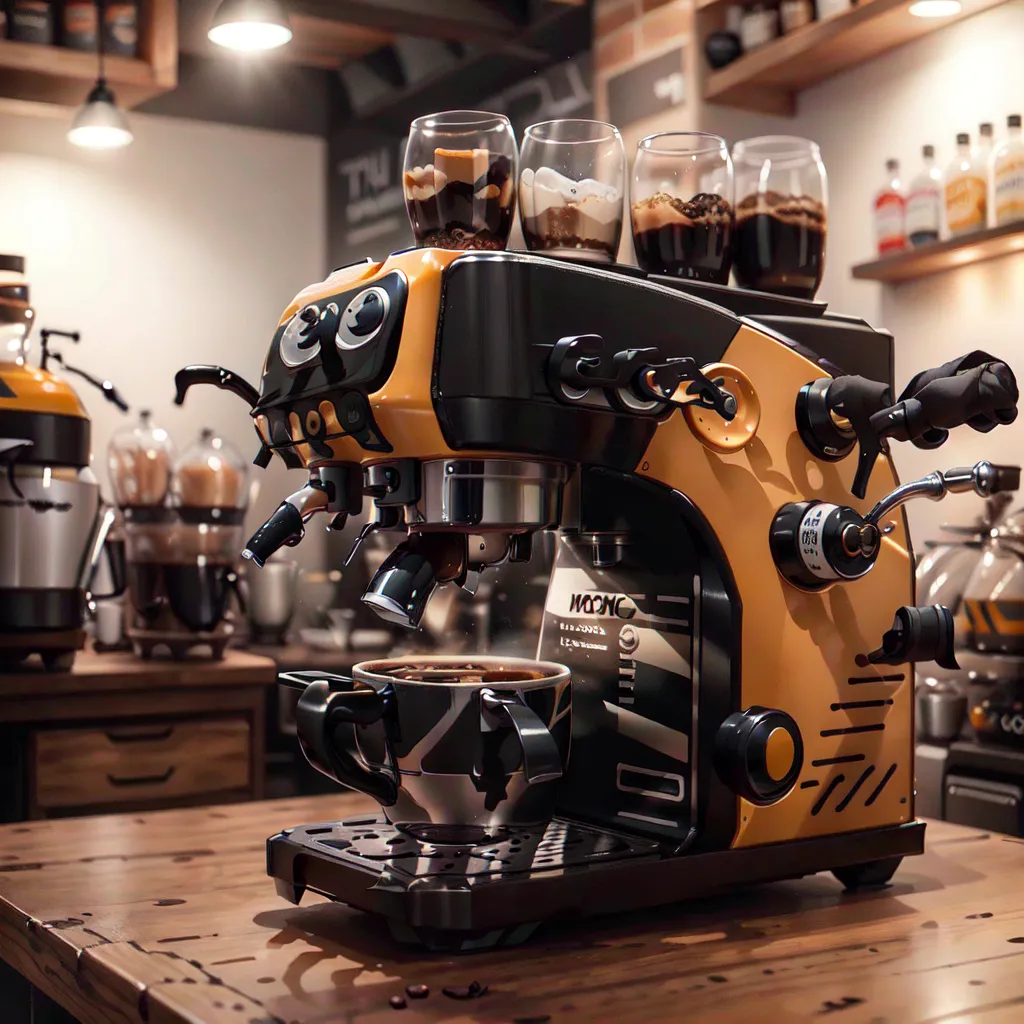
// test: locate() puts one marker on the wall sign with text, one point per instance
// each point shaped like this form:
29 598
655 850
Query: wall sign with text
647 89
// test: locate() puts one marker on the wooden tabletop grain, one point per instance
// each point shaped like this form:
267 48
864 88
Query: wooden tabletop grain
94 672
169 918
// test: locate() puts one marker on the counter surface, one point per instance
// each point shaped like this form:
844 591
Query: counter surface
169 918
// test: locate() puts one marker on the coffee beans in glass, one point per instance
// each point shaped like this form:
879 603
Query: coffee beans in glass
781 215
460 177
571 188
682 206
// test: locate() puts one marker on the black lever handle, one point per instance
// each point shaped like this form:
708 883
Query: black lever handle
976 389
917 634
219 377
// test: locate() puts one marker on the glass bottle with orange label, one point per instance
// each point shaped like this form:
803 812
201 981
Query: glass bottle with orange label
966 191
1008 175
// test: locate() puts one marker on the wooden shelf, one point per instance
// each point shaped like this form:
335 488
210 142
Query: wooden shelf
55 74
941 256
769 78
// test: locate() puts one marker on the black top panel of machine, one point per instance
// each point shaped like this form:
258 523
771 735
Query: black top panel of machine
55 440
350 337
744 301
501 314
837 342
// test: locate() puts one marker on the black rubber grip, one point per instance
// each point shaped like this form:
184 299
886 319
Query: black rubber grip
983 397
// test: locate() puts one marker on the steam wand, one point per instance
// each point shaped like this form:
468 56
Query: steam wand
110 393
983 478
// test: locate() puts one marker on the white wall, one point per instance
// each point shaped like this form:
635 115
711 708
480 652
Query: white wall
948 82
183 248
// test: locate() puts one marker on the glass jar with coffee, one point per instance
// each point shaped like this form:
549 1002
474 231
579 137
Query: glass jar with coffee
571 188
140 460
460 177
781 215
210 474
681 206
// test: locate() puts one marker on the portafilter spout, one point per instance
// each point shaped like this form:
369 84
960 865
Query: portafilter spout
286 527
405 581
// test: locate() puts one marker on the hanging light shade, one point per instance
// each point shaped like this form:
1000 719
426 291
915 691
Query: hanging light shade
250 25
98 123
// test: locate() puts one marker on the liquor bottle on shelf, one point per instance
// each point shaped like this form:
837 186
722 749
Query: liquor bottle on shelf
1008 175
890 212
924 202
966 191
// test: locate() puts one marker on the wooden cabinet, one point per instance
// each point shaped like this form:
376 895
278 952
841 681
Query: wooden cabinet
92 768
119 734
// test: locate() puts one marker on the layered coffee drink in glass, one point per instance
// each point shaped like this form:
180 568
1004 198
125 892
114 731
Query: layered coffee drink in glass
571 188
460 179
682 206
781 216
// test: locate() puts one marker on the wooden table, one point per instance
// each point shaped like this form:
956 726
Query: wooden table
169 918
117 732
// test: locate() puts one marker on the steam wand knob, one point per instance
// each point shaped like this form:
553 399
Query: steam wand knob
816 543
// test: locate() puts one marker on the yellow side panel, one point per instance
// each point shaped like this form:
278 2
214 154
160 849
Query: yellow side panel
798 649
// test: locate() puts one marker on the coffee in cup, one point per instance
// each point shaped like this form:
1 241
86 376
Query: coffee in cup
449 746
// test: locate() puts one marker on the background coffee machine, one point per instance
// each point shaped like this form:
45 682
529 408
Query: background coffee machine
183 520
52 521
970 754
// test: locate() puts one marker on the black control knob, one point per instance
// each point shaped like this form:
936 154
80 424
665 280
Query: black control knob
917 634
759 754
816 543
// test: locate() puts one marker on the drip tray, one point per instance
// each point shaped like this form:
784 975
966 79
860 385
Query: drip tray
454 891
473 883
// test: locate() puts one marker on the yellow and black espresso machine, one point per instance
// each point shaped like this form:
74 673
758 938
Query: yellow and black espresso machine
53 523
733 589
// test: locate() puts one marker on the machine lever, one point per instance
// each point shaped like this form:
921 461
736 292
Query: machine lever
663 382
832 416
917 634
583 362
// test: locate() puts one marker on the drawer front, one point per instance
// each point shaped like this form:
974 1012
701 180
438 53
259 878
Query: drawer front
132 763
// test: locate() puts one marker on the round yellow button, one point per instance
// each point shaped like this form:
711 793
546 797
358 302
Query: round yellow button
778 754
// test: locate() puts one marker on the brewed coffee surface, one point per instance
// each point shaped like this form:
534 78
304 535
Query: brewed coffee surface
468 674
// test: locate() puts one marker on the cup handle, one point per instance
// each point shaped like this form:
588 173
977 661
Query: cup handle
321 710
541 760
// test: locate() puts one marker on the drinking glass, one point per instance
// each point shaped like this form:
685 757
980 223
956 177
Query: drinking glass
460 179
682 206
571 188
781 216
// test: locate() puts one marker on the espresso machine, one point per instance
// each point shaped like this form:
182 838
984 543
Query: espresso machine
733 585
53 523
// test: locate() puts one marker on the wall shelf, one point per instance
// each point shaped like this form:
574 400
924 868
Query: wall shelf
769 78
941 256
58 75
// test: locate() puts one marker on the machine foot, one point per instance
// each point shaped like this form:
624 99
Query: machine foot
289 890
871 875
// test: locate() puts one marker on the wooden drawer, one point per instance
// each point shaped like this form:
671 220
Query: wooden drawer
135 763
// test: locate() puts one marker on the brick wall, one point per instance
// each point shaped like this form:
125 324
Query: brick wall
627 33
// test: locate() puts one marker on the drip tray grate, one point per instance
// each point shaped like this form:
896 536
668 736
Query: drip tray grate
474 855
